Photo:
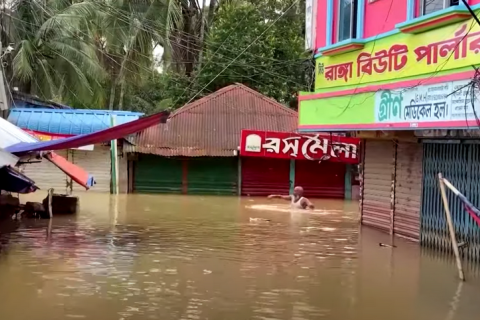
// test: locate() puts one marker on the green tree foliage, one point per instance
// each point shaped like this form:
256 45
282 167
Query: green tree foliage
98 53
53 57
274 64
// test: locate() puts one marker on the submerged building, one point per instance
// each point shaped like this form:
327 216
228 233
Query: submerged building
402 75
198 151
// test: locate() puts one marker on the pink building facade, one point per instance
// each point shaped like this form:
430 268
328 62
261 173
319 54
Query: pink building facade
403 76
375 19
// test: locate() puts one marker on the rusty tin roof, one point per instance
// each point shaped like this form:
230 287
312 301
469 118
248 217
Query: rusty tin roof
211 126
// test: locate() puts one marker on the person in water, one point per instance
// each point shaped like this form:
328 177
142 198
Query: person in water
296 199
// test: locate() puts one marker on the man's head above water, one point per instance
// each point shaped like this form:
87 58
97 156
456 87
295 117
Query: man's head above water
297 199
298 191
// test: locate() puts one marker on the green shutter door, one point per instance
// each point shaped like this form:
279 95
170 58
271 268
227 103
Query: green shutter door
212 176
155 174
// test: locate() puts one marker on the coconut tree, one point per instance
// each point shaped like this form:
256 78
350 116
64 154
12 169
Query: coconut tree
127 33
54 56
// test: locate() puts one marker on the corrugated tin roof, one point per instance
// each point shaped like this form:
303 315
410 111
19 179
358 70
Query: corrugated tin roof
211 126
68 121
24 100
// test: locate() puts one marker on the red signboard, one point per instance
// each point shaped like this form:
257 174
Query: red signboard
287 145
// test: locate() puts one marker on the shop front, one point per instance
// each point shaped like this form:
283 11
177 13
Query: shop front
412 98
275 162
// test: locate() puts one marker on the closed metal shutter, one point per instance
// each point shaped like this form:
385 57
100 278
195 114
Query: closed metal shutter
265 176
213 176
408 190
321 180
460 164
379 166
46 175
97 163
155 174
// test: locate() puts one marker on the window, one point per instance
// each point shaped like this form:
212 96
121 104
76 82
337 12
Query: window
347 24
429 6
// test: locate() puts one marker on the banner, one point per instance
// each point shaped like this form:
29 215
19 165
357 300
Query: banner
285 145
402 56
445 105
45 136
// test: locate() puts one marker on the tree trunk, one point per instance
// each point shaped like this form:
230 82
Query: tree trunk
211 13
122 94
112 92
202 34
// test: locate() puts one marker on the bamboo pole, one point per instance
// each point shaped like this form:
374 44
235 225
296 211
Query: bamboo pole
450 227
50 198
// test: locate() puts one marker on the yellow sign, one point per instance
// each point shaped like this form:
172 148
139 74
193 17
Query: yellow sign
401 56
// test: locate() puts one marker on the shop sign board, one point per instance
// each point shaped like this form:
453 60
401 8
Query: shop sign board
286 145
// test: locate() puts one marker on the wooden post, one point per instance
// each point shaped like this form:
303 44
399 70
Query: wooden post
50 199
451 228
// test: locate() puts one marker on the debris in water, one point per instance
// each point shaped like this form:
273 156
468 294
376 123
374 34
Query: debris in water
386 245
259 220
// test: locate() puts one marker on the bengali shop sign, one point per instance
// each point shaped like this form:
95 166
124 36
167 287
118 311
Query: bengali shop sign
401 56
443 102
44 136
286 145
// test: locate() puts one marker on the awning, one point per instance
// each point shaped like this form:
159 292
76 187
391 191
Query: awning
113 133
11 135
77 174
13 181
7 159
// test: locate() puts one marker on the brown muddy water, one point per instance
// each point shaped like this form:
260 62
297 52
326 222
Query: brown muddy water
179 257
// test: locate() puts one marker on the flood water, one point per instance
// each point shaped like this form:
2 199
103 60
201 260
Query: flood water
179 257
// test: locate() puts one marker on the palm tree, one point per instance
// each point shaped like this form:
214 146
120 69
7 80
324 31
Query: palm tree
128 32
54 56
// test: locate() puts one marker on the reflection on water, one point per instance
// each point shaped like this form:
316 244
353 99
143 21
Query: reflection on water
174 257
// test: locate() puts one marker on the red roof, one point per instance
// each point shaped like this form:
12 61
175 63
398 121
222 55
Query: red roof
211 126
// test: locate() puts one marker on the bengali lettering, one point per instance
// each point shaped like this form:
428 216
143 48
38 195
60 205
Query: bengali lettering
390 106
456 47
393 59
291 146
311 147
339 71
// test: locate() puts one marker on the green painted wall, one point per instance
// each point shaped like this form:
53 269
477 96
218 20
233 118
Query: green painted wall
351 109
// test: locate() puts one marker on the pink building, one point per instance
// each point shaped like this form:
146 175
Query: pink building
403 76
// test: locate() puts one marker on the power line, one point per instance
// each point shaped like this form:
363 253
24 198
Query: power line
244 50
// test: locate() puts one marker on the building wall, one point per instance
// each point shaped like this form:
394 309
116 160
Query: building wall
122 173
321 26
352 99
333 27
381 16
